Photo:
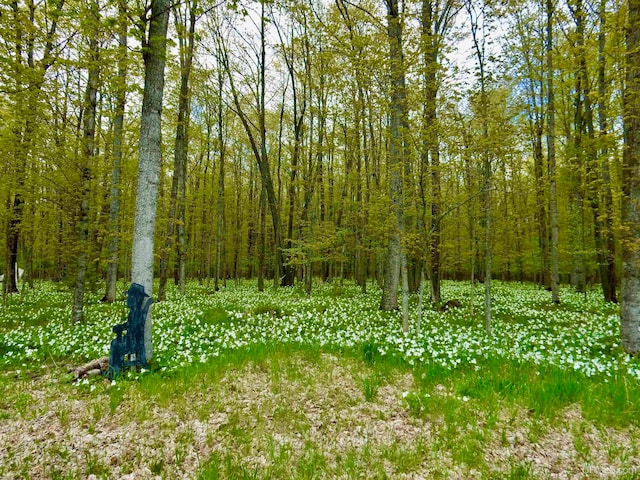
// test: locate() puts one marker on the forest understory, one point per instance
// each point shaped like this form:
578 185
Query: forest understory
281 384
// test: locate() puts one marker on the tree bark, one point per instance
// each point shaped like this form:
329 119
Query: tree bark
487 173
630 284
576 206
89 133
220 202
149 152
608 264
397 150
551 157
182 139
118 131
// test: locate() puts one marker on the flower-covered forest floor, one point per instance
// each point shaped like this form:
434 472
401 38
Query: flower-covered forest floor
280 384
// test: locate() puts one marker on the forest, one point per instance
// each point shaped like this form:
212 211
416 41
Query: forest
306 140
320 139
384 238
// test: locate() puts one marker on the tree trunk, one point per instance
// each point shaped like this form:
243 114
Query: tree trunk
154 54
405 293
175 226
608 265
541 187
261 238
220 203
576 207
430 149
551 158
260 151
118 130
169 239
397 149
89 133
630 285
596 187
486 166
182 136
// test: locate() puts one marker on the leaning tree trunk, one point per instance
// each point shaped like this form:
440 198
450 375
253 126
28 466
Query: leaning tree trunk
630 285
154 53
259 149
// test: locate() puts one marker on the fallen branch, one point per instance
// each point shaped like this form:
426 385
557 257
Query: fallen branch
94 367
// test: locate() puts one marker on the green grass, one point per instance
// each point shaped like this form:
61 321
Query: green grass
543 391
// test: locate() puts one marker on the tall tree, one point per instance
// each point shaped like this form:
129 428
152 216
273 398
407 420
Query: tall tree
630 285
603 208
149 153
88 153
299 104
397 154
116 152
551 155
258 143
436 19
479 42
579 154
533 76
222 147
176 227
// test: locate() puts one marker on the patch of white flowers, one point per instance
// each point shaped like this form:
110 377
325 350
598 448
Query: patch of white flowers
580 335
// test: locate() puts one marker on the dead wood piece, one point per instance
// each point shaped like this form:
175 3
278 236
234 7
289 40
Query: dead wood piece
94 367
449 304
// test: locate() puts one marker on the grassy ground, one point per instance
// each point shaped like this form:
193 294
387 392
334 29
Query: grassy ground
272 409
